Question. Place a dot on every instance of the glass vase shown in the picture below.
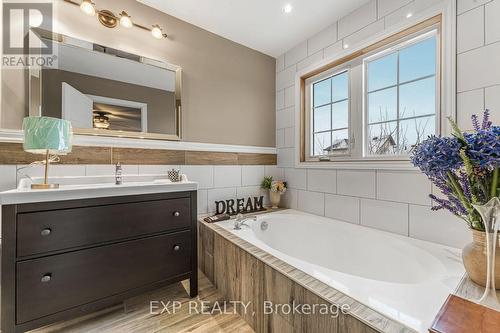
(489, 213)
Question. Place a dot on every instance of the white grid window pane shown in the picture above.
(322, 142)
(340, 141)
(417, 98)
(340, 115)
(401, 109)
(418, 60)
(322, 118)
(330, 115)
(382, 138)
(383, 72)
(383, 105)
(413, 131)
(340, 87)
(322, 92)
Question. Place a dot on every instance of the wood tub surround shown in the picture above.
(13, 153)
(242, 272)
(62, 259)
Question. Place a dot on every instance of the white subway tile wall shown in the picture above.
(437, 226)
(357, 183)
(311, 202)
(252, 175)
(322, 180)
(403, 187)
(492, 23)
(470, 35)
(342, 208)
(323, 39)
(385, 215)
(358, 19)
(395, 201)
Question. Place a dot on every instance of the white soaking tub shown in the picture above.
(402, 278)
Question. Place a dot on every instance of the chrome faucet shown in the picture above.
(118, 174)
(240, 220)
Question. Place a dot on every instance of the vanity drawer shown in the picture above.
(40, 232)
(56, 283)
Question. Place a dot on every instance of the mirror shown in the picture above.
(104, 91)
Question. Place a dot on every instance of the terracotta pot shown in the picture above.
(474, 257)
(275, 198)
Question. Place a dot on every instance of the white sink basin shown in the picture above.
(72, 188)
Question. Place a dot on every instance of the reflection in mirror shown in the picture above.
(108, 92)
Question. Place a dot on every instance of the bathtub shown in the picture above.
(406, 280)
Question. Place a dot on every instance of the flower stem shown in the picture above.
(494, 183)
(458, 190)
(460, 194)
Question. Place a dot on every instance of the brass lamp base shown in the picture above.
(44, 186)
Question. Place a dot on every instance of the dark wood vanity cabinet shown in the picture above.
(68, 258)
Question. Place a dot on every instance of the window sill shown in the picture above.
(366, 164)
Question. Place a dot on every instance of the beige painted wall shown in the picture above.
(228, 89)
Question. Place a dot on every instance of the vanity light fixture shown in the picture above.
(88, 7)
(287, 9)
(108, 19)
(125, 20)
(156, 32)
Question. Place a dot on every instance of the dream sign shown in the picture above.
(233, 207)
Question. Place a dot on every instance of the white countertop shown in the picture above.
(73, 188)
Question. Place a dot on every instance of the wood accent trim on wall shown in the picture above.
(362, 52)
(13, 153)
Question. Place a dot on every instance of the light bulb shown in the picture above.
(156, 32)
(88, 7)
(287, 9)
(125, 20)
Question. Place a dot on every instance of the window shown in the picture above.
(377, 103)
(401, 96)
(331, 115)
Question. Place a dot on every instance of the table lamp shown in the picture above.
(49, 136)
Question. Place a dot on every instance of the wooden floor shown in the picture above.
(135, 315)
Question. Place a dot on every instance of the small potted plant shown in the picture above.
(276, 189)
(465, 168)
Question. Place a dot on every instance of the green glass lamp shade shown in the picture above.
(45, 133)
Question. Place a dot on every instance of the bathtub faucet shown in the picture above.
(240, 220)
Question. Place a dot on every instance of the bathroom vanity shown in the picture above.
(81, 248)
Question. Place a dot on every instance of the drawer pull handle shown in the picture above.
(46, 232)
(46, 278)
(177, 214)
(177, 248)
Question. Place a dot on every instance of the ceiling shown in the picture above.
(259, 24)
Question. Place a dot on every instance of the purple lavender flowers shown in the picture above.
(437, 156)
(464, 167)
